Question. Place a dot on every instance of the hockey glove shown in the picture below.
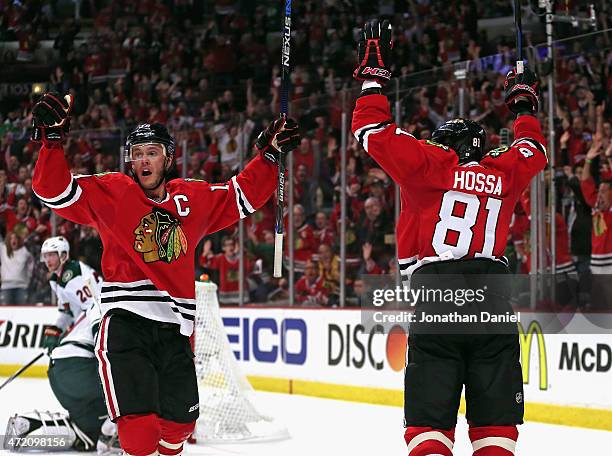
(51, 117)
(51, 337)
(374, 52)
(280, 138)
(522, 92)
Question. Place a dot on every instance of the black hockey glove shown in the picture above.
(51, 117)
(522, 92)
(374, 52)
(51, 337)
(278, 139)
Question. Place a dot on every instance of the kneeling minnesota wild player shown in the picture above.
(73, 368)
(73, 376)
(74, 283)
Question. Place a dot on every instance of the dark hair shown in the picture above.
(7, 243)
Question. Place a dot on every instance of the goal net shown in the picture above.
(226, 411)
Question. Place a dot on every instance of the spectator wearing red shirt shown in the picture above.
(12, 169)
(228, 265)
(22, 215)
(304, 189)
(354, 203)
(600, 199)
(577, 142)
(519, 232)
(309, 290)
(96, 63)
(304, 155)
(322, 231)
(221, 56)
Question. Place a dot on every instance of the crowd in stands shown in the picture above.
(209, 70)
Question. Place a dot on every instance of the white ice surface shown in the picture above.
(323, 427)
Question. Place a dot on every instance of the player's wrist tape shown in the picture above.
(370, 85)
(370, 88)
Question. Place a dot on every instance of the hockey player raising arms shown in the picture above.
(464, 199)
(150, 228)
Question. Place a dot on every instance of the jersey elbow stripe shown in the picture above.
(244, 206)
(362, 134)
(530, 142)
(68, 197)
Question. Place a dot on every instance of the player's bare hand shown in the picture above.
(374, 52)
(51, 117)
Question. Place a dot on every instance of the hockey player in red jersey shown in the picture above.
(149, 228)
(464, 199)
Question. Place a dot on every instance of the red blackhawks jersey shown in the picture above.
(601, 234)
(229, 276)
(464, 211)
(149, 247)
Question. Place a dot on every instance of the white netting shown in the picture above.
(226, 413)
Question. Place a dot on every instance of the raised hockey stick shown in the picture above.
(284, 105)
(519, 36)
(22, 370)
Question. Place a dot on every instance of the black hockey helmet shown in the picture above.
(464, 136)
(150, 133)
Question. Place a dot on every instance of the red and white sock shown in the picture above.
(427, 441)
(493, 440)
(173, 437)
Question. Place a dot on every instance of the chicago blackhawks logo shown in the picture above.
(499, 151)
(159, 237)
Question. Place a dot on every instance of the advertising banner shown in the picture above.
(330, 346)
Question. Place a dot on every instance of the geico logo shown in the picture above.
(526, 339)
(599, 358)
(264, 340)
(352, 346)
(21, 335)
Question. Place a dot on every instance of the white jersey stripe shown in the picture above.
(127, 286)
(601, 255)
(142, 298)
